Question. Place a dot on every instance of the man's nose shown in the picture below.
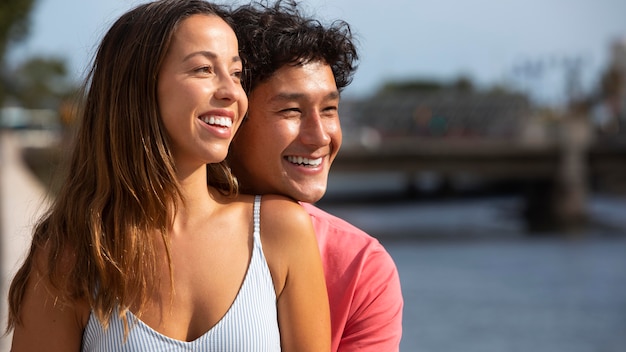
(314, 130)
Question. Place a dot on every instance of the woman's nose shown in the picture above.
(228, 89)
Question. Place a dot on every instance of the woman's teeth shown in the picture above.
(219, 121)
(304, 161)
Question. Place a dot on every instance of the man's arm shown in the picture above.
(376, 322)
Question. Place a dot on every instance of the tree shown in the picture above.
(41, 82)
(14, 26)
(415, 85)
(462, 84)
(14, 22)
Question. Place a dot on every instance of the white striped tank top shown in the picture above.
(251, 323)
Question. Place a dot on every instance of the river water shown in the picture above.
(474, 280)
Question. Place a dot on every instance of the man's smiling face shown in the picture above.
(291, 135)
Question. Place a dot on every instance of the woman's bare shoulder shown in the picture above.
(286, 228)
(282, 213)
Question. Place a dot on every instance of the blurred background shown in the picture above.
(484, 146)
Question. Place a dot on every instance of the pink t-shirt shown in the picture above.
(363, 286)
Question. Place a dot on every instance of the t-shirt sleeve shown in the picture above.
(376, 324)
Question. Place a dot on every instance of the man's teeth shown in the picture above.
(219, 121)
(304, 161)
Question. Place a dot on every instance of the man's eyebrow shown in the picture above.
(283, 96)
(332, 95)
(209, 55)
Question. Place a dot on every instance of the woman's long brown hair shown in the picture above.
(105, 233)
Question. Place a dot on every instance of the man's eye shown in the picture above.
(290, 112)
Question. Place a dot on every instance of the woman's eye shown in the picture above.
(204, 69)
(238, 75)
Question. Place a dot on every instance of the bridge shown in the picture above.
(557, 175)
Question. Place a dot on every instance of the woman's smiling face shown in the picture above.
(201, 99)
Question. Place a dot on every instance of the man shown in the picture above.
(296, 69)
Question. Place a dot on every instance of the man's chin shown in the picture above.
(309, 196)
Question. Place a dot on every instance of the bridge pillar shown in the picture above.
(560, 204)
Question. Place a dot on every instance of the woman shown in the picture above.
(137, 252)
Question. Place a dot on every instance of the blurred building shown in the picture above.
(618, 59)
(446, 113)
(609, 112)
(618, 62)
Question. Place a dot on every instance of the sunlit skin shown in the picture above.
(293, 114)
(201, 99)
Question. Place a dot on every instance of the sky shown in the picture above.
(489, 41)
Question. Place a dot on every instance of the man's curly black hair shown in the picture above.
(271, 36)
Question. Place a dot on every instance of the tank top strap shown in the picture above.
(257, 219)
